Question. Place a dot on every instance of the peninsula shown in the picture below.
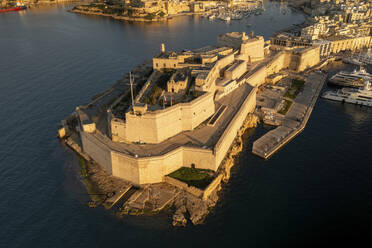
(161, 10)
(166, 134)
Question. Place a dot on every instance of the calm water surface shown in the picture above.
(316, 190)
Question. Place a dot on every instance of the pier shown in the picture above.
(295, 120)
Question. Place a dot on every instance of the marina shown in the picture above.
(238, 12)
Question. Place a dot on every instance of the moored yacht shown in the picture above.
(361, 96)
(351, 79)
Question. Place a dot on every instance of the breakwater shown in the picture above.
(295, 120)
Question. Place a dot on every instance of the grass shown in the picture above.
(199, 178)
(296, 87)
(285, 108)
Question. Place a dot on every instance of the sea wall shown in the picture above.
(212, 186)
(229, 134)
(144, 170)
(97, 150)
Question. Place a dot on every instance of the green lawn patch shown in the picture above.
(287, 104)
(296, 87)
(199, 178)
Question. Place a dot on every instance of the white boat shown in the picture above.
(356, 96)
(211, 17)
(225, 18)
(352, 60)
(359, 59)
(351, 79)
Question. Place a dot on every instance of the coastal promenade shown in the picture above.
(295, 120)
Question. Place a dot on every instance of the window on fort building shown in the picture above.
(164, 65)
(157, 65)
(193, 166)
(174, 65)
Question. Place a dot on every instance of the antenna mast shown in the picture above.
(131, 89)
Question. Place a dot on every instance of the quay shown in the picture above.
(295, 120)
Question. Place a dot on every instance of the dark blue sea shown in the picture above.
(316, 191)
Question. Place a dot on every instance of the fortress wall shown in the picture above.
(236, 70)
(144, 128)
(195, 114)
(257, 78)
(228, 136)
(145, 170)
(168, 124)
(309, 58)
(97, 151)
(254, 49)
(157, 126)
(212, 186)
(279, 62)
(225, 61)
(200, 158)
(153, 170)
(118, 130)
(177, 183)
(124, 166)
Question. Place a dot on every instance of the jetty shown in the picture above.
(295, 120)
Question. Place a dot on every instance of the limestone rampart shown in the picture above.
(97, 150)
(144, 170)
(229, 134)
(190, 189)
(157, 126)
(212, 186)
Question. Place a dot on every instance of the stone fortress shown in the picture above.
(189, 109)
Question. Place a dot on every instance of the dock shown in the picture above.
(295, 120)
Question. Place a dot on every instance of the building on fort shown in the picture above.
(178, 82)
